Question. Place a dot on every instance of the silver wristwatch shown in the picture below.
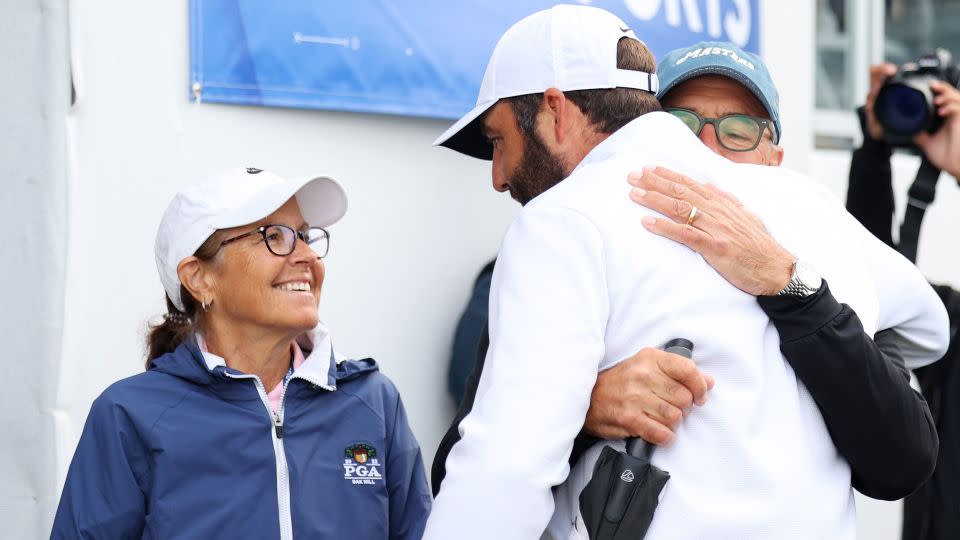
(803, 282)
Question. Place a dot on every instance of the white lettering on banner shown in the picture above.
(736, 22)
(692, 12)
(643, 9)
(738, 28)
(713, 18)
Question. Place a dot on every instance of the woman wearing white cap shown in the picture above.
(246, 424)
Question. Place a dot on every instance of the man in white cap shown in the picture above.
(578, 287)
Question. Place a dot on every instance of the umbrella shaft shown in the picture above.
(639, 448)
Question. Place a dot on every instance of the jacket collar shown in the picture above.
(661, 134)
(191, 362)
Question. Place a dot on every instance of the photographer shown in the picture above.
(870, 194)
(933, 512)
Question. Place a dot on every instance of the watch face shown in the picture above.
(808, 276)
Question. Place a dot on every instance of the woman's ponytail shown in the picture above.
(175, 328)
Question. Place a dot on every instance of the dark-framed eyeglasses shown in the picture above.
(735, 132)
(282, 240)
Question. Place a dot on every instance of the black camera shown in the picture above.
(904, 105)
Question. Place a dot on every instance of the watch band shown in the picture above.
(798, 286)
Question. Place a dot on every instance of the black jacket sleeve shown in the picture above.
(933, 512)
(879, 424)
(439, 469)
(870, 191)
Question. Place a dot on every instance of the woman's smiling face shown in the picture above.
(253, 287)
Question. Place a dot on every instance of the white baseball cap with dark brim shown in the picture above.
(565, 47)
(236, 197)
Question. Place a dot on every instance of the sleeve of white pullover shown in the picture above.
(908, 304)
(548, 311)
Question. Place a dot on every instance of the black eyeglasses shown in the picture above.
(735, 132)
(281, 240)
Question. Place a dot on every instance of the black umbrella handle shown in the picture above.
(636, 446)
(621, 492)
(639, 448)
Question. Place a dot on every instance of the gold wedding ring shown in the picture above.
(693, 215)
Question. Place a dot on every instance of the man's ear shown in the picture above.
(196, 278)
(555, 106)
(776, 155)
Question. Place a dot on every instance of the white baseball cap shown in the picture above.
(236, 197)
(565, 47)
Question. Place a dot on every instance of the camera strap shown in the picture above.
(919, 197)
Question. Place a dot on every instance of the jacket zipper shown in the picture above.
(279, 454)
(283, 480)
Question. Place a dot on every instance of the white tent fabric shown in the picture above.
(34, 99)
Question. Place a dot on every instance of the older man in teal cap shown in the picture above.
(719, 84)
(727, 97)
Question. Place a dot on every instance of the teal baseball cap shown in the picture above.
(724, 59)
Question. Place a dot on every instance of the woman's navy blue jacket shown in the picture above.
(185, 451)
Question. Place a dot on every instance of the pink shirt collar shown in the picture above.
(276, 393)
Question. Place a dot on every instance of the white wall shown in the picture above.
(787, 47)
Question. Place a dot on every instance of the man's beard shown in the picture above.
(539, 170)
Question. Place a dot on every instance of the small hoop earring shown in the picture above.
(205, 305)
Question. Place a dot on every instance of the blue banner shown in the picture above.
(408, 57)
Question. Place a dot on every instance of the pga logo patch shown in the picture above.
(361, 465)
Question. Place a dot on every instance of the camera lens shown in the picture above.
(903, 109)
